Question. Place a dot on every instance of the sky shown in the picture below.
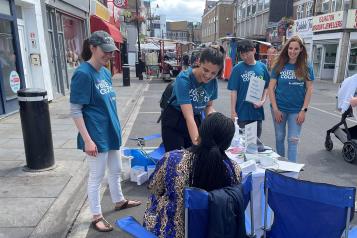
(190, 10)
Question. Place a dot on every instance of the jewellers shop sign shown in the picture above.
(328, 22)
(303, 27)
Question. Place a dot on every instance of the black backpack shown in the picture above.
(166, 98)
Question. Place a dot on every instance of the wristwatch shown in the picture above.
(304, 109)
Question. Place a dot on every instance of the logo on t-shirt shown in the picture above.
(104, 87)
(199, 95)
(248, 75)
(290, 75)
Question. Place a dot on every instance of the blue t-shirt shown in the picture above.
(187, 90)
(93, 89)
(290, 92)
(239, 81)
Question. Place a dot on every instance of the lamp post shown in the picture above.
(138, 64)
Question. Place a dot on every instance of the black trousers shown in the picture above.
(174, 131)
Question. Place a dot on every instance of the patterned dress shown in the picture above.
(164, 215)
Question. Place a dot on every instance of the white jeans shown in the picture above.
(97, 166)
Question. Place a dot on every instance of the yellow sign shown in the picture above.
(101, 11)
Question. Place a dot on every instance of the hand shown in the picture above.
(353, 101)
(278, 116)
(300, 118)
(259, 104)
(234, 115)
(90, 148)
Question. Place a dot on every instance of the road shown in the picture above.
(320, 165)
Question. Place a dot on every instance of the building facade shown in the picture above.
(217, 20)
(177, 30)
(334, 39)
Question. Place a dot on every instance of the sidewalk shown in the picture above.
(45, 204)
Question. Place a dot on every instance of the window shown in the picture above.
(336, 5)
(354, 4)
(300, 11)
(5, 7)
(254, 7)
(249, 8)
(325, 8)
(8, 71)
(260, 5)
(266, 4)
(244, 9)
(309, 9)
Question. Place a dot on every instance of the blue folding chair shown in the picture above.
(307, 209)
(196, 209)
(130, 225)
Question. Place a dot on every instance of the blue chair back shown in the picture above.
(307, 209)
(248, 199)
(130, 225)
(196, 212)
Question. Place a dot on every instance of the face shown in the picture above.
(271, 53)
(208, 71)
(100, 56)
(248, 57)
(294, 50)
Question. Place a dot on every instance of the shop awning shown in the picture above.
(97, 24)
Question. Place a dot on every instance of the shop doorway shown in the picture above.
(352, 63)
(324, 60)
(9, 72)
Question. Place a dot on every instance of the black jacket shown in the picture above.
(226, 213)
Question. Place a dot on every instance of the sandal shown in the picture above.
(126, 205)
(106, 224)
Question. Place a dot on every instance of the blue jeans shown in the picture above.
(294, 130)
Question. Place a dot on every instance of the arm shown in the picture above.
(209, 108)
(277, 114)
(187, 112)
(309, 88)
(233, 104)
(89, 146)
(353, 101)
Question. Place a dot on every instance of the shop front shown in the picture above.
(328, 46)
(352, 24)
(106, 19)
(11, 71)
(67, 29)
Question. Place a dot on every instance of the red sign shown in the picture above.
(120, 3)
(331, 21)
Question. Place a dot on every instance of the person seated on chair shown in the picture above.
(204, 166)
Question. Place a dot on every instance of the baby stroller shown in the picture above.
(348, 136)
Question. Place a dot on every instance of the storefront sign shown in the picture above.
(328, 22)
(352, 19)
(14, 81)
(102, 12)
(121, 3)
(303, 27)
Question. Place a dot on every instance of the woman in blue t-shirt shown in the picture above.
(290, 91)
(193, 93)
(94, 111)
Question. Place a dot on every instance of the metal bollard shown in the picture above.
(36, 129)
(126, 75)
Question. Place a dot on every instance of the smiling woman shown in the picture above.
(193, 93)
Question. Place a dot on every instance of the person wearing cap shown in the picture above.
(238, 83)
(94, 111)
(290, 92)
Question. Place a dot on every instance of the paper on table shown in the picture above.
(251, 134)
(289, 166)
(255, 89)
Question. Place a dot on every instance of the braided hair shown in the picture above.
(209, 168)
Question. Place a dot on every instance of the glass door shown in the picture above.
(10, 81)
(352, 63)
(317, 60)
